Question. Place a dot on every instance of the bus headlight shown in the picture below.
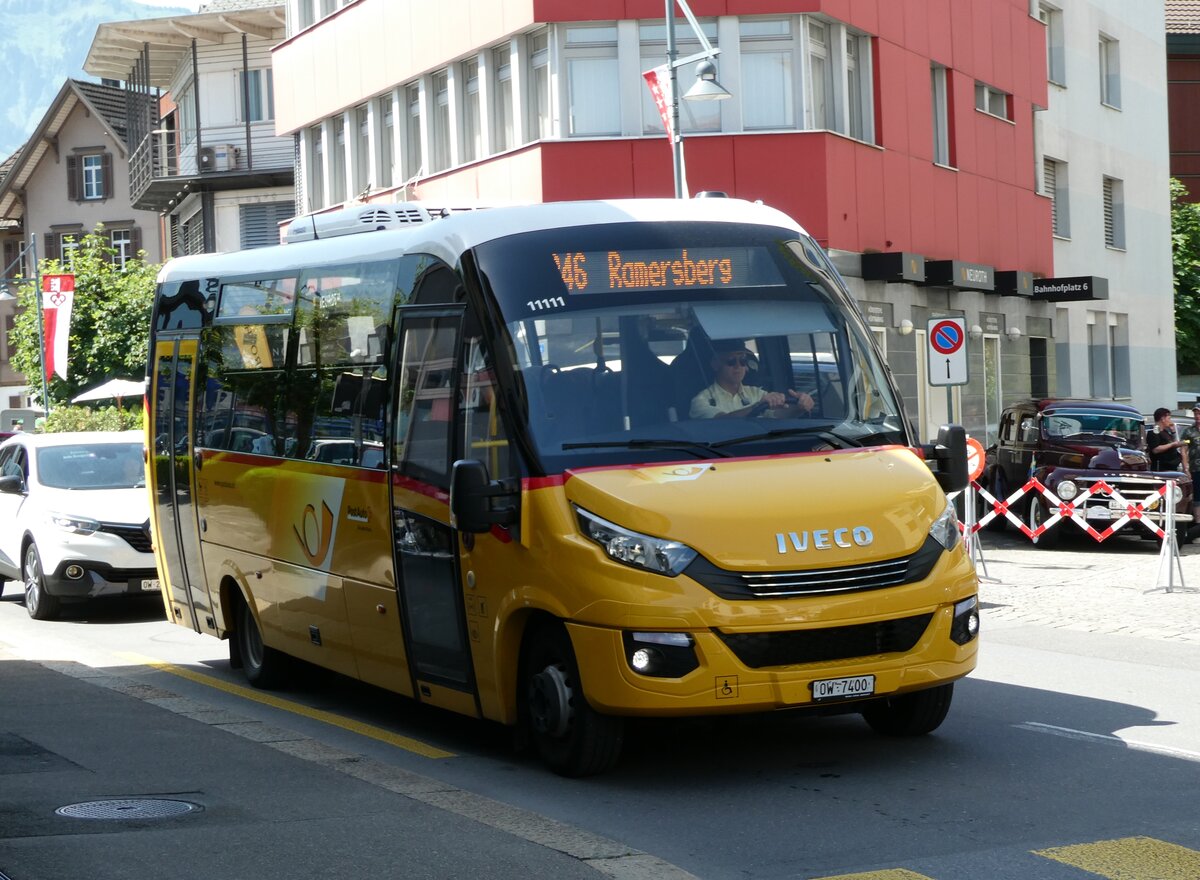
(80, 525)
(632, 548)
(945, 527)
(1067, 490)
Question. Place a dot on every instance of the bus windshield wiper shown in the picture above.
(704, 450)
(822, 431)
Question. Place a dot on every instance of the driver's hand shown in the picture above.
(801, 398)
(774, 399)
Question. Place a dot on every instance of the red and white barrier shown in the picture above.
(1133, 511)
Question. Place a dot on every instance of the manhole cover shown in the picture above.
(128, 808)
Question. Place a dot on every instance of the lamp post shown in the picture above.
(7, 296)
(706, 87)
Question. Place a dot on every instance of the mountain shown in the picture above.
(43, 42)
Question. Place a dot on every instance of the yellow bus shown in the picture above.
(556, 466)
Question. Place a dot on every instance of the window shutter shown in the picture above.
(260, 223)
(1109, 231)
(73, 186)
(106, 175)
(53, 243)
(135, 240)
(1050, 187)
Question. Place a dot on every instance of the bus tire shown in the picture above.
(572, 738)
(263, 667)
(913, 714)
(39, 604)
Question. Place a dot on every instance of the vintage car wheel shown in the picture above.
(1038, 514)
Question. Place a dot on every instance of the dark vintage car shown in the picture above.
(1070, 445)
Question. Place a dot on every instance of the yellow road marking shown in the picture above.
(889, 874)
(377, 733)
(1130, 858)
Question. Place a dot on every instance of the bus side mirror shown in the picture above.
(471, 494)
(949, 457)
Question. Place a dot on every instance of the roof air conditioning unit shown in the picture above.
(219, 158)
(360, 218)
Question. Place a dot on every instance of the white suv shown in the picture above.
(75, 518)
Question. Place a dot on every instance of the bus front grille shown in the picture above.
(816, 581)
(761, 649)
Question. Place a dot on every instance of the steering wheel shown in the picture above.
(758, 409)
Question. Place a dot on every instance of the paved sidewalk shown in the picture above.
(1112, 587)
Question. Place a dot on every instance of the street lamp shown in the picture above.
(706, 87)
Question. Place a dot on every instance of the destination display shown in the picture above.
(633, 271)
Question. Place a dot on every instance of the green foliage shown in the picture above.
(1185, 255)
(85, 418)
(110, 321)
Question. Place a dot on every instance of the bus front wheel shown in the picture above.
(910, 714)
(264, 667)
(572, 738)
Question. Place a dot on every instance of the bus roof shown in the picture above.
(448, 237)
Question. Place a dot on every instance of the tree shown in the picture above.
(110, 320)
(1185, 256)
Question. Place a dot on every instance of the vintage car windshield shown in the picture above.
(1094, 426)
(611, 329)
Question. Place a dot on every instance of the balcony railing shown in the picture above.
(159, 165)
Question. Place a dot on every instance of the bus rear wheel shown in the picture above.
(264, 667)
(572, 738)
(910, 714)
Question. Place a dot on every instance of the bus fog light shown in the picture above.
(966, 621)
(660, 654)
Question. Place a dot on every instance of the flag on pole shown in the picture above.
(58, 295)
(659, 81)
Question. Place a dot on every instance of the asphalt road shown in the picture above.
(1073, 752)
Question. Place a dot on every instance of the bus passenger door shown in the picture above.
(425, 545)
(178, 537)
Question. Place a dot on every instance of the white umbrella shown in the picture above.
(115, 388)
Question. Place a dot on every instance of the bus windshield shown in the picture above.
(684, 340)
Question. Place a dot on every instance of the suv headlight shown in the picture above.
(80, 525)
(945, 528)
(632, 548)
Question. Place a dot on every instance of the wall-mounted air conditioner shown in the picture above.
(223, 157)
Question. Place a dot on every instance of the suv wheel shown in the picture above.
(38, 603)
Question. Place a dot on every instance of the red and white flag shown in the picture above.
(659, 81)
(58, 295)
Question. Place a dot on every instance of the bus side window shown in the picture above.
(484, 436)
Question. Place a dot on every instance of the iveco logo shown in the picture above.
(824, 539)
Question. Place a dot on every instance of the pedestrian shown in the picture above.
(1191, 438)
(1167, 451)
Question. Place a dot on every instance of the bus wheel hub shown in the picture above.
(550, 702)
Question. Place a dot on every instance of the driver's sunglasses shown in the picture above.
(738, 361)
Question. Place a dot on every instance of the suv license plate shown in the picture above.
(843, 688)
(151, 585)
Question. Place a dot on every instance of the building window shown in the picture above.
(1114, 213)
(89, 177)
(256, 91)
(503, 133)
(593, 80)
(993, 101)
(259, 223)
(68, 243)
(362, 148)
(1056, 65)
(768, 74)
(857, 97)
(472, 134)
(439, 135)
(1054, 185)
(125, 244)
(413, 160)
(316, 168)
(386, 156)
(941, 115)
(820, 76)
(337, 161)
(1110, 72)
(539, 85)
(693, 115)
(187, 113)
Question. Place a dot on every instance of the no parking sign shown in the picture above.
(946, 340)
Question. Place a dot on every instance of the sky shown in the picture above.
(44, 42)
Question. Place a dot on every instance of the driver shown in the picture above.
(728, 398)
